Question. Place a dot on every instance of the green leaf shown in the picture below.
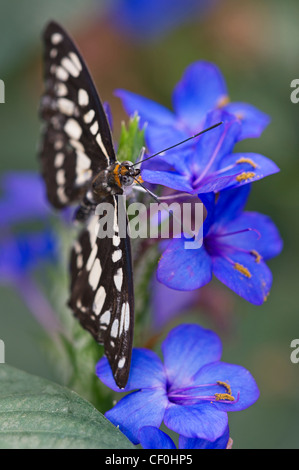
(38, 414)
(131, 140)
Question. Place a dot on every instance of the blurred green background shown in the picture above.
(256, 46)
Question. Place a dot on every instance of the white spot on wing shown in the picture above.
(101, 145)
(74, 58)
(99, 300)
(60, 177)
(115, 240)
(92, 257)
(95, 274)
(116, 256)
(61, 89)
(118, 279)
(53, 53)
(59, 159)
(61, 195)
(94, 128)
(66, 106)
(83, 98)
(73, 129)
(88, 117)
(121, 362)
(61, 74)
(105, 318)
(114, 329)
(70, 67)
(56, 38)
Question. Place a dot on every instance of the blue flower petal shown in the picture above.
(205, 422)
(201, 89)
(153, 438)
(215, 144)
(160, 136)
(230, 205)
(195, 443)
(215, 184)
(263, 237)
(169, 179)
(248, 278)
(248, 167)
(186, 349)
(146, 371)
(243, 386)
(253, 120)
(138, 409)
(168, 303)
(149, 111)
(184, 269)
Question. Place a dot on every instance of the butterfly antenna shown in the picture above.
(180, 143)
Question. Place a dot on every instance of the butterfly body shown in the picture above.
(79, 166)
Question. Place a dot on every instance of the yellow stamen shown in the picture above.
(223, 101)
(258, 257)
(225, 385)
(246, 175)
(239, 267)
(224, 396)
(247, 160)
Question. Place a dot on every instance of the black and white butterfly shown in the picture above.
(79, 166)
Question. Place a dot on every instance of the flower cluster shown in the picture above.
(236, 243)
(192, 392)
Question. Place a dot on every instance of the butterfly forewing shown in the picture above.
(76, 146)
(76, 141)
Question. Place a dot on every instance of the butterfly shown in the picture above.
(79, 166)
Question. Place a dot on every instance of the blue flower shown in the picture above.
(201, 90)
(212, 165)
(153, 438)
(235, 246)
(148, 20)
(206, 163)
(191, 392)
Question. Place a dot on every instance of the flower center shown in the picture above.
(216, 392)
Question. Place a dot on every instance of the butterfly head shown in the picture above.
(125, 173)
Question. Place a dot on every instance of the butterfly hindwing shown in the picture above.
(77, 141)
(102, 293)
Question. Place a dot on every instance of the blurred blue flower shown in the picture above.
(149, 20)
(201, 90)
(191, 392)
(168, 303)
(153, 438)
(23, 198)
(235, 246)
(22, 251)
